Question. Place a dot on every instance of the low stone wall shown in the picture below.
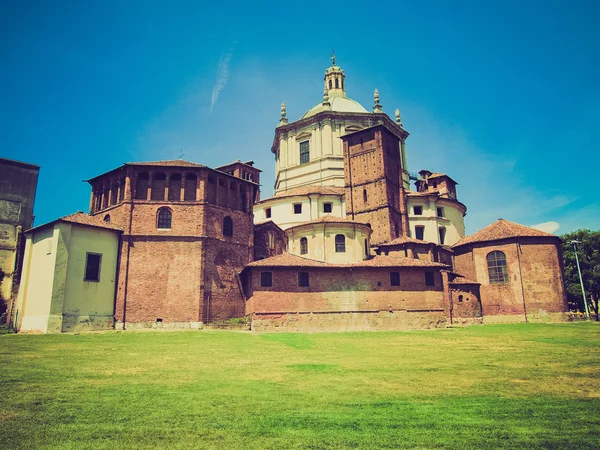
(158, 325)
(348, 321)
(539, 316)
(72, 323)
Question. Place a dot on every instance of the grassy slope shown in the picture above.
(512, 386)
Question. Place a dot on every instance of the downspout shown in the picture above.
(127, 266)
(117, 276)
(518, 247)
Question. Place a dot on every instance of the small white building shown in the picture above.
(69, 276)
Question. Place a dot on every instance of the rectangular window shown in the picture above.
(440, 212)
(326, 207)
(266, 279)
(394, 278)
(442, 231)
(303, 279)
(268, 213)
(297, 208)
(419, 232)
(429, 280)
(92, 267)
(418, 210)
(304, 152)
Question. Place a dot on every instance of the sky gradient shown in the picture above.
(502, 96)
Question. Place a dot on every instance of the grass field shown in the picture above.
(495, 386)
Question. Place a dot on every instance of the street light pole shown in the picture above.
(574, 244)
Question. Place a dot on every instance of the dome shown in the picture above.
(338, 104)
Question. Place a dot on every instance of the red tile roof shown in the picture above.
(83, 219)
(289, 260)
(404, 240)
(328, 219)
(502, 229)
(463, 280)
(167, 163)
(306, 190)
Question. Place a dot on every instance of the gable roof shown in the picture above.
(502, 229)
(81, 218)
(404, 240)
(289, 260)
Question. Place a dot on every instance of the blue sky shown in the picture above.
(502, 96)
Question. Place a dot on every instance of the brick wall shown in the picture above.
(372, 177)
(535, 281)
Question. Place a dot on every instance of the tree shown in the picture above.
(588, 251)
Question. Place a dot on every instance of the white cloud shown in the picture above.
(548, 227)
(222, 77)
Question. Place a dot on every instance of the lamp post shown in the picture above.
(574, 244)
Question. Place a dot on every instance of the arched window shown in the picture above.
(330, 86)
(227, 226)
(496, 262)
(340, 243)
(303, 246)
(107, 218)
(337, 83)
(271, 240)
(164, 218)
(366, 249)
(365, 195)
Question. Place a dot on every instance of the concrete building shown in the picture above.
(18, 183)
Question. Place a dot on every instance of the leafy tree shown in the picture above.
(588, 251)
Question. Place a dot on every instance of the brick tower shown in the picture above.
(373, 173)
(187, 235)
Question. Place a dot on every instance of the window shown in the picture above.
(304, 152)
(268, 213)
(337, 83)
(460, 299)
(330, 85)
(429, 280)
(327, 207)
(227, 226)
(303, 279)
(366, 249)
(303, 246)
(297, 208)
(418, 210)
(92, 267)
(442, 232)
(266, 279)
(497, 271)
(419, 232)
(440, 212)
(435, 185)
(164, 218)
(340, 243)
(394, 279)
(107, 218)
(271, 237)
(365, 195)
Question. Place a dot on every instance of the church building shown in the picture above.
(343, 243)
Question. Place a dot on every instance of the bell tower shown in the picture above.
(373, 180)
(335, 80)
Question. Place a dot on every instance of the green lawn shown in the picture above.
(495, 386)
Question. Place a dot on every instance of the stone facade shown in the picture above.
(18, 184)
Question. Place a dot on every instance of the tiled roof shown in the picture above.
(167, 163)
(329, 219)
(404, 240)
(306, 190)
(289, 260)
(463, 280)
(501, 229)
(84, 219)
(247, 163)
